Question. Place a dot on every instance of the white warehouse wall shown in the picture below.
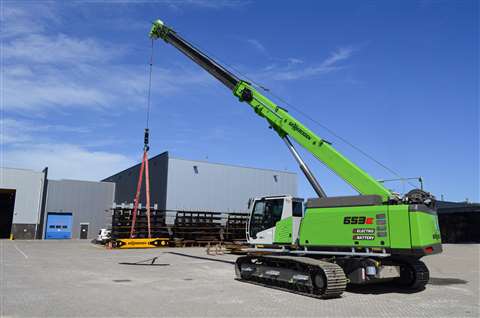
(222, 188)
(29, 186)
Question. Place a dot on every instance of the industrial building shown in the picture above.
(33, 207)
(459, 221)
(79, 208)
(22, 196)
(188, 185)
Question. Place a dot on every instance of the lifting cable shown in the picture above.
(144, 164)
(149, 83)
(305, 115)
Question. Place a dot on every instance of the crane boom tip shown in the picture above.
(156, 29)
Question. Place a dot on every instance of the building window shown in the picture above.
(195, 169)
(275, 178)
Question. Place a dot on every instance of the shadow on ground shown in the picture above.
(147, 262)
(387, 288)
(152, 261)
(446, 281)
(380, 288)
(203, 258)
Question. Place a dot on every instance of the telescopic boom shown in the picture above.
(279, 119)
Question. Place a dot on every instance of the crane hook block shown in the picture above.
(145, 139)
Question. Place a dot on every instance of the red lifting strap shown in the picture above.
(143, 167)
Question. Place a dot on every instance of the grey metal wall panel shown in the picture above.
(28, 185)
(222, 188)
(89, 202)
(126, 182)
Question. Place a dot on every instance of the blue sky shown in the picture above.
(398, 79)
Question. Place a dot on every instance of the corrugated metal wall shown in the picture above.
(126, 182)
(174, 184)
(28, 185)
(199, 185)
(89, 202)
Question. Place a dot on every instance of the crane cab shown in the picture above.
(274, 219)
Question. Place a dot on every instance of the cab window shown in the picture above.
(265, 215)
(297, 209)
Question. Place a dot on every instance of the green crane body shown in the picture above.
(377, 221)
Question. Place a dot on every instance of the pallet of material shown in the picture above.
(235, 227)
(122, 222)
(183, 228)
(198, 226)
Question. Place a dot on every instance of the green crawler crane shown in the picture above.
(372, 237)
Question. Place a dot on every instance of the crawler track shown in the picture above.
(414, 274)
(300, 275)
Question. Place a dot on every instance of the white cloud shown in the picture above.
(297, 69)
(67, 161)
(58, 49)
(43, 72)
(337, 56)
(31, 145)
(258, 46)
(282, 69)
(15, 131)
(293, 60)
(47, 87)
(28, 17)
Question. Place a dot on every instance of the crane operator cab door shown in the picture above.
(272, 220)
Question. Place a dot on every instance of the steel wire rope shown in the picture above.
(149, 89)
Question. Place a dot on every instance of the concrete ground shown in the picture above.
(78, 279)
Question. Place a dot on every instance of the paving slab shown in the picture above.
(78, 279)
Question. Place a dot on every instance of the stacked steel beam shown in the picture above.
(198, 226)
(122, 222)
(235, 227)
(186, 227)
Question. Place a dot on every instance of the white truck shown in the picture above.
(104, 236)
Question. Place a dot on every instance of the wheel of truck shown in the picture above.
(414, 275)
